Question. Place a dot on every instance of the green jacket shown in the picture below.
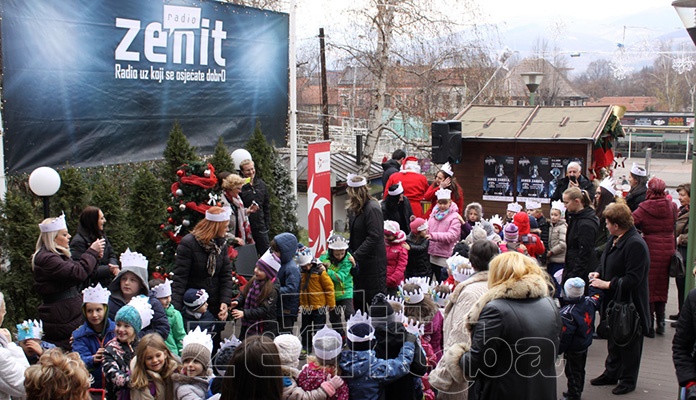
(340, 275)
(177, 332)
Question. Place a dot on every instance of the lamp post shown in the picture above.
(532, 80)
(686, 9)
(44, 182)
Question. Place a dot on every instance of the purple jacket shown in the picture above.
(444, 233)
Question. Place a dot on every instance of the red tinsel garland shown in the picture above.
(201, 181)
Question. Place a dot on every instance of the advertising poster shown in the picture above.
(498, 173)
(319, 218)
(94, 82)
(558, 171)
(533, 177)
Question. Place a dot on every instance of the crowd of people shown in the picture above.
(417, 302)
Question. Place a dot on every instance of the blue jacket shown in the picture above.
(288, 276)
(365, 373)
(578, 322)
(86, 343)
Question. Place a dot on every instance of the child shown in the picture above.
(192, 382)
(472, 214)
(397, 255)
(284, 246)
(366, 373)
(339, 262)
(289, 350)
(497, 224)
(444, 227)
(316, 295)
(531, 241)
(511, 240)
(327, 345)
(152, 369)
(512, 209)
(578, 326)
(441, 293)
(29, 334)
(221, 361)
(90, 338)
(424, 310)
(534, 210)
(418, 258)
(162, 290)
(256, 304)
(130, 320)
(459, 268)
(555, 256)
(196, 312)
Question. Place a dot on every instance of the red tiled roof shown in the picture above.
(632, 103)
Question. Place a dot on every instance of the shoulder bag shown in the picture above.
(623, 321)
(677, 267)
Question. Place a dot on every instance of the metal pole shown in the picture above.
(293, 99)
(630, 140)
(531, 98)
(689, 284)
(648, 160)
(686, 154)
(47, 212)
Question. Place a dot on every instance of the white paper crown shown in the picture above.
(447, 168)
(532, 205)
(360, 183)
(232, 341)
(638, 170)
(337, 242)
(443, 194)
(30, 329)
(496, 220)
(396, 299)
(558, 205)
(224, 216)
(415, 296)
(132, 259)
(359, 318)
(96, 294)
(391, 227)
(514, 207)
(397, 191)
(609, 184)
(327, 354)
(54, 225)
(198, 337)
(163, 289)
(303, 256)
(460, 267)
(413, 327)
(440, 298)
(142, 305)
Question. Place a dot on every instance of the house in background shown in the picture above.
(555, 89)
(632, 103)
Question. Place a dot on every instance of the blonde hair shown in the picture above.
(139, 375)
(513, 267)
(47, 240)
(232, 181)
(57, 376)
(357, 198)
(244, 163)
(206, 230)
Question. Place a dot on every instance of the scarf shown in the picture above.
(439, 215)
(239, 223)
(213, 251)
(253, 300)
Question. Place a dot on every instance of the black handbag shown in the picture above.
(677, 269)
(623, 320)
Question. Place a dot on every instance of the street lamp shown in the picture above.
(686, 9)
(532, 80)
(44, 182)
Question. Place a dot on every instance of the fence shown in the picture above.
(663, 144)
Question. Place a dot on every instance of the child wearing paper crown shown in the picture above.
(339, 262)
(316, 295)
(445, 227)
(118, 353)
(323, 365)
(29, 334)
(556, 253)
(98, 330)
(418, 257)
(221, 361)
(425, 311)
(289, 350)
(192, 382)
(576, 337)
(196, 312)
(162, 290)
(256, 304)
(152, 369)
(397, 255)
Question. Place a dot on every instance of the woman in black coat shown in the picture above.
(683, 345)
(91, 228)
(638, 179)
(366, 242)
(583, 226)
(396, 207)
(624, 264)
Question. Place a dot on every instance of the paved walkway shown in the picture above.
(673, 172)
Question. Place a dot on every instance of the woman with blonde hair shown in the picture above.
(202, 262)
(239, 228)
(57, 376)
(58, 278)
(519, 314)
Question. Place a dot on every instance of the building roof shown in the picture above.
(342, 163)
(632, 103)
(553, 80)
(533, 123)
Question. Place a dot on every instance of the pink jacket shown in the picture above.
(397, 258)
(444, 234)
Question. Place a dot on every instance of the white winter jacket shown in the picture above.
(13, 363)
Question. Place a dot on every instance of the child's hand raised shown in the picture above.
(237, 314)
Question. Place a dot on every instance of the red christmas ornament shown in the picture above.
(170, 210)
(170, 220)
(162, 227)
(180, 173)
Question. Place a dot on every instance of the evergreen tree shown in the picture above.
(177, 152)
(105, 195)
(287, 202)
(221, 159)
(146, 210)
(72, 197)
(260, 151)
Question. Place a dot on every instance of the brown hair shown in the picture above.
(422, 312)
(575, 193)
(57, 376)
(206, 230)
(619, 214)
(454, 186)
(605, 198)
(357, 197)
(139, 375)
(255, 372)
(685, 187)
(266, 289)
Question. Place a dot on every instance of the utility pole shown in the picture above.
(324, 89)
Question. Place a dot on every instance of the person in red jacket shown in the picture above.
(397, 255)
(414, 183)
(444, 179)
(531, 241)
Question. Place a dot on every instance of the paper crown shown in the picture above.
(199, 337)
(356, 319)
(447, 168)
(609, 184)
(532, 205)
(558, 205)
(638, 170)
(440, 296)
(96, 294)
(396, 299)
(56, 224)
(270, 260)
(163, 289)
(460, 267)
(496, 220)
(224, 216)
(303, 256)
(514, 207)
(417, 295)
(327, 335)
(232, 341)
(443, 194)
(132, 259)
(391, 227)
(30, 329)
(397, 190)
(355, 184)
(337, 242)
(142, 305)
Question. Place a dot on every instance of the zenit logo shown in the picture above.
(180, 22)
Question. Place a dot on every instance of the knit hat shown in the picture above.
(657, 186)
(533, 223)
(380, 310)
(137, 313)
(327, 344)
(269, 264)
(511, 233)
(197, 347)
(303, 256)
(224, 354)
(195, 298)
(289, 349)
(478, 233)
(418, 225)
(574, 288)
(337, 242)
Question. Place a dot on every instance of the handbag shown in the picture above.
(623, 320)
(677, 269)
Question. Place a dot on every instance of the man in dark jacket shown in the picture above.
(683, 346)
(393, 165)
(573, 178)
(256, 191)
(580, 237)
